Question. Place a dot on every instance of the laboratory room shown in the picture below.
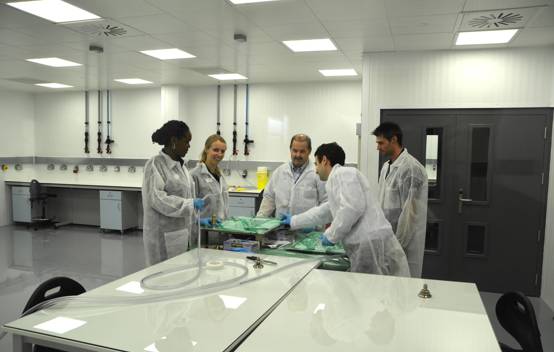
(276, 175)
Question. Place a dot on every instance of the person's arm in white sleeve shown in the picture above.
(168, 205)
(414, 203)
(267, 207)
(321, 192)
(319, 215)
(351, 207)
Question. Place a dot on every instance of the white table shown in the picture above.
(334, 311)
(211, 322)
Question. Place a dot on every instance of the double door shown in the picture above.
(488, 172)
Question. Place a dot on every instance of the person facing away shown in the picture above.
(209, 182)
(356, 219)
(168, 196)
(403, 194)
(294, 186)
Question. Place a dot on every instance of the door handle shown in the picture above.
(462, 200)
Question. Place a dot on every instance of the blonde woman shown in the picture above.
(210, 182)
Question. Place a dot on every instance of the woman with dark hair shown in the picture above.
(168, 195)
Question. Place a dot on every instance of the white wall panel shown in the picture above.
(463, 79)
(60, 118)
(326, 111)
(17, 137)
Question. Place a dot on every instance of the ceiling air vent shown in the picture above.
(497, 19)
(494, 21)
(102, 28)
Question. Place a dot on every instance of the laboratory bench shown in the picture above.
(299, 309)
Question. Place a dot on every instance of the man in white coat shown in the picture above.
(355, 216)
(294, 186)
(403, 194)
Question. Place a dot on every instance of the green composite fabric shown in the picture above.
(310, 243)
(247, 225)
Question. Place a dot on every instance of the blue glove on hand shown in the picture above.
(198, 203)
(205, 222)
(285, 219)
(325, 241)
(308, 229)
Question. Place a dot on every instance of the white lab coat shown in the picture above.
(403, 198)
(205, 184)
(283, 196)
(167, 200)
(358, 222)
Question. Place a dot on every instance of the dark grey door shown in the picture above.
(487, 173)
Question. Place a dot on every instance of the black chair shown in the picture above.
(517, 316)
(39, 197)
(53, 288)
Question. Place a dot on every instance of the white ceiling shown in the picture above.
(205, 28)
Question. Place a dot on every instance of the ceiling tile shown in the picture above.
(543, 18)
(357, 28)
(403, 8)
(497, 19)
(295, 31)
(424, 24)
(367, 44)
(117, 8)
(278, 13)
(479, 5)
(348, 9)
(423, 41)
(157, 24)
(534, 36)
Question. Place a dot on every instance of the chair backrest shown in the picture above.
(35, 191)
(516, 314)
(47, 290)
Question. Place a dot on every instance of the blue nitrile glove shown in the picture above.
(205, 222)
(285, 219)
(308, 229)
(325, 241)
(198, 203)
(218, 222)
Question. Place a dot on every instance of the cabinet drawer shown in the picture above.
(247, 202)
(115, 195)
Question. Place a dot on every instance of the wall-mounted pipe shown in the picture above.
(109, 141)
(218, 131)
(235, 150)
(246, 140)
(87, 150)
(99, 149)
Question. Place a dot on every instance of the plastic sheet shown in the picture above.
(247, 225)
(311, 243)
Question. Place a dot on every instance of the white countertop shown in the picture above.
(211, 322)
(335, 311)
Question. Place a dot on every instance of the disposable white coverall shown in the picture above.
(167, 200)
(205, 184)
(358, 222)
(284, 196)
(403, 198)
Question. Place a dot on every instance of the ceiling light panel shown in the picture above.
(339, 72)
(310, 45)
(54, 62)
(54, 10)
(133, 81)
(485, 37)
(228, 76)
(241, 2)
(53, 85)
(168, 54)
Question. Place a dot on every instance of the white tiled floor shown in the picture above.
(29, 257)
